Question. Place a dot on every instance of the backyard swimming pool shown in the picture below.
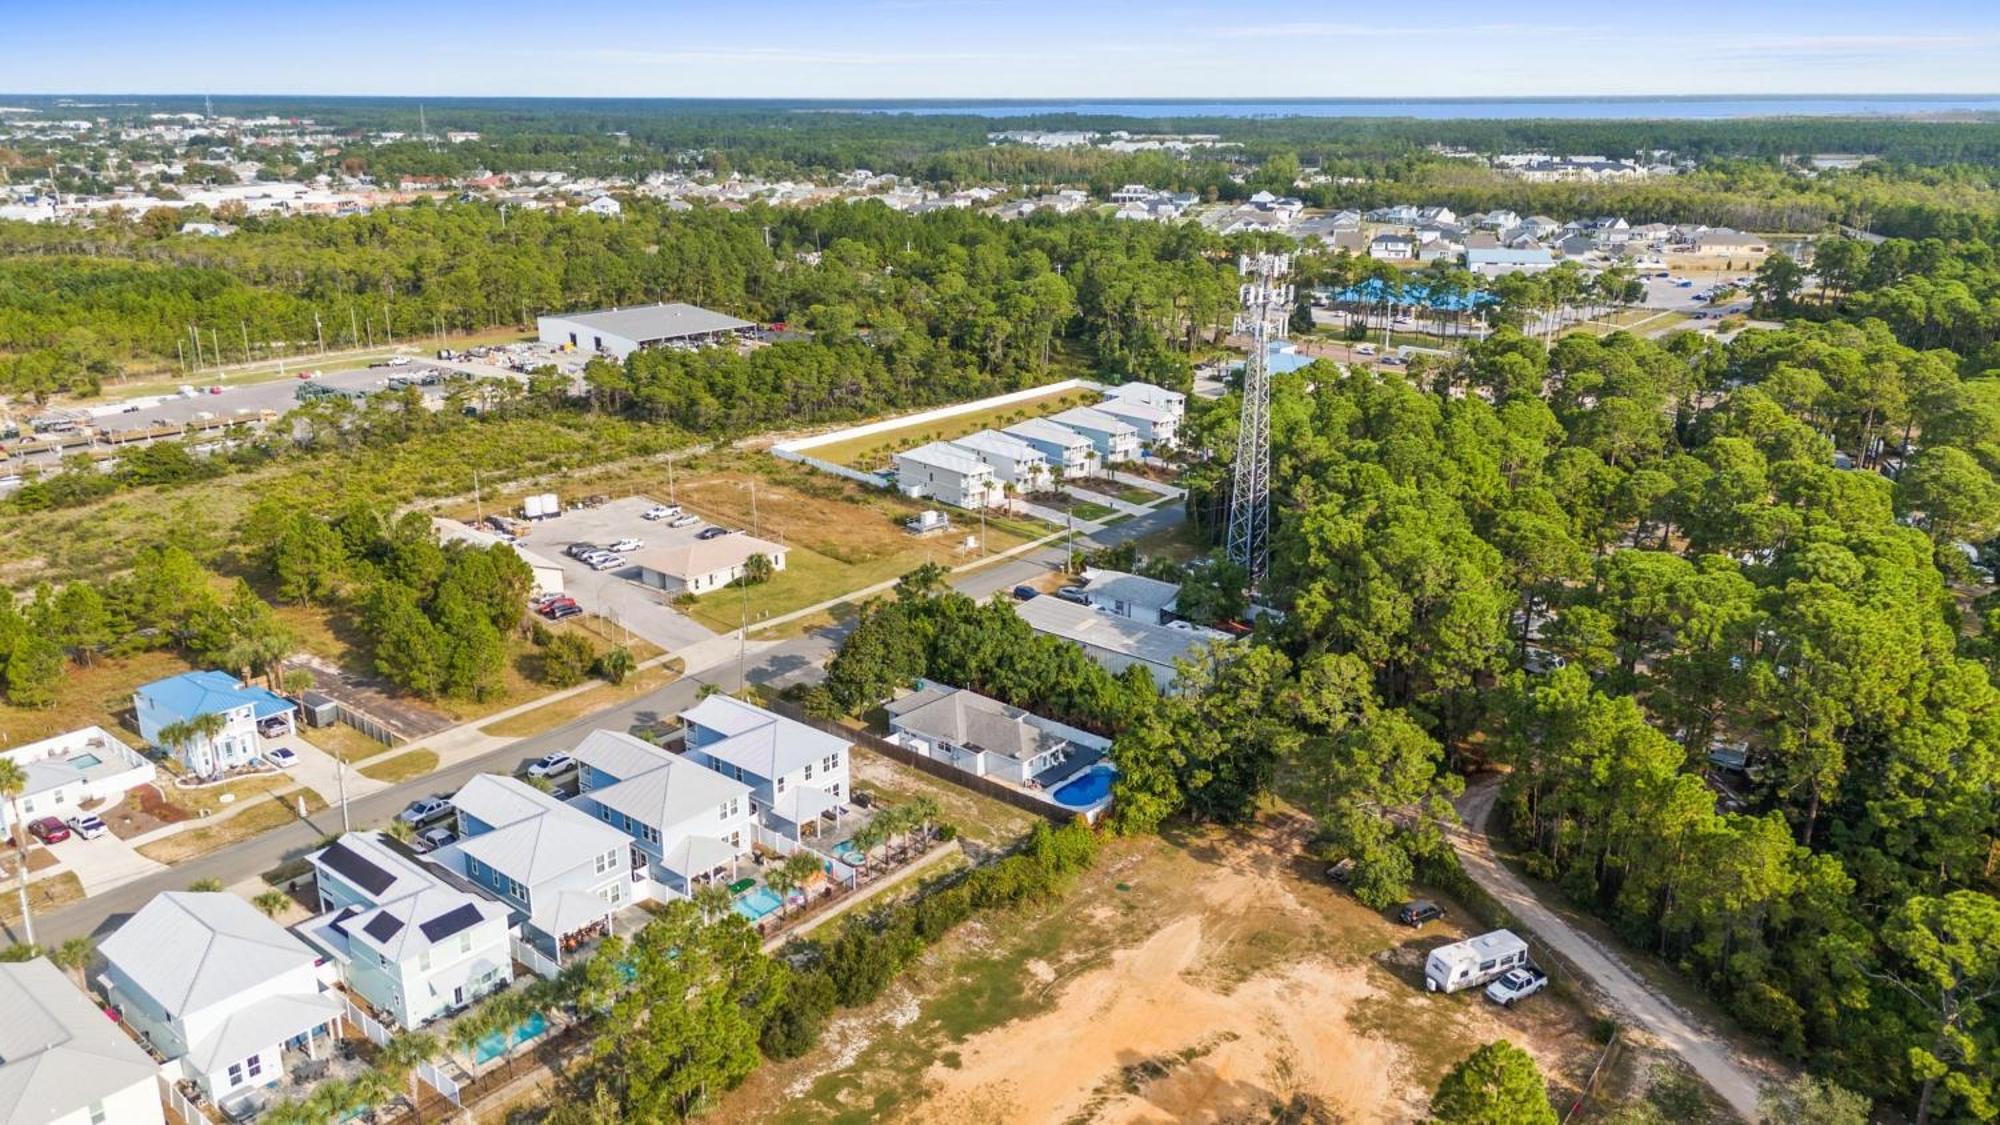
(757, 903)
(1087, 791)
(495, 1044)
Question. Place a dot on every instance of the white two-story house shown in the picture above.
(1014, 461)
(1157, 427)
(208, 981)
(692, 823)
(1115, 439)
(411, 942)
(1070, 454)
(943, 472)
(797, 774)
(568, 873)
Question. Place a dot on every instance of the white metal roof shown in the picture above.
(1126, 408)
(1041, 429)
(946, 456)
(648, 323)
(994, 443)
(1155, 644)
(705, 556)
(261, 1026)
(191, 949)
(1132, 589)
(663, 790)
(534, 837)
(767, 745)
(58, 1053)
(1096, 421)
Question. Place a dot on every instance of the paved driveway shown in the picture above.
(104, 863)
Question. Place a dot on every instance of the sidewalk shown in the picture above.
(1166, 491)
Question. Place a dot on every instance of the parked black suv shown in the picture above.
(1418, 912)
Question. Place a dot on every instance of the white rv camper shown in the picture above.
(1474, 961)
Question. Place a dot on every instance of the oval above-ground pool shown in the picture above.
(1087, 791)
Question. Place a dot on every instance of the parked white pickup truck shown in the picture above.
(1518, 984)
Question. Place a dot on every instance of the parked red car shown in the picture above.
(49, 830)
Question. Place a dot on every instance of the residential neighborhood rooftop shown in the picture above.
(58, 1053)
(191, 949)
(768, 745)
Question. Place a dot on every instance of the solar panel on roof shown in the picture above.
(356, 870)
(337, 925)
(452, 921)
(383, 927)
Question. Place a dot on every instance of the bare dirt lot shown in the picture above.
(1210, 978)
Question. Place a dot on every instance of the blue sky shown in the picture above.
(1001, 48)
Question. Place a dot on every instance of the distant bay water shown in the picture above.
(1662, 108)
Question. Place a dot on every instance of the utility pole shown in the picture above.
(478, 505)
(353, 326)
(340, 773)
(1266, 305)
(196, 333)
(319, 330)
(245, 326)
(742, 638)
(215, 338)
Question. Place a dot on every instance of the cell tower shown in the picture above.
(1267, 305)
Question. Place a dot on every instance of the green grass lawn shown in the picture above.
(402, 767)
(1086, 510)
(876, 450)
(1133, 494)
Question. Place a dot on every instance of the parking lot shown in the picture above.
(614, 594)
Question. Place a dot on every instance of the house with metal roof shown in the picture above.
(946, 473)
(1114, 438)
(1070, 453)
(797, 774)
(1118, 642)
(166, 704)
(209, 982)
(1013, 461)
(412, 941)
(987, 738)
(65, 772)
(692, 823)
(567, 872)
(1142, 599)
(62, 1061)
(1495, 260)
(620, 332)
(1157, 427)
(1173, 402)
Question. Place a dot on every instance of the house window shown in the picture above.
(235, 1074)
(781, 785)
(97, 1116)
(809, 771)
(832, 762)
(465, 942)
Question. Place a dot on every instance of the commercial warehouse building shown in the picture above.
(620, 332)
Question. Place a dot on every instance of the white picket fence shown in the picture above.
(440, 1081)
(535, 959)
(187, 1111)
(368, 1025)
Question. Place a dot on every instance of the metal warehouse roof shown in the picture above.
(649, 323)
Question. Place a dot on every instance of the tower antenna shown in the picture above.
(1267, 303)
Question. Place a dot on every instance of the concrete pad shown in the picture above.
(105, 862)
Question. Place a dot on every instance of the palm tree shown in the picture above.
(470, 1028)
(74, 956)
(182, 735)
(206, 886)
(13, 781)
(868, 837)
(400, 1059)
(272, 903)
(801, 866)
(922, 813)
(780, 879)
(713, 900)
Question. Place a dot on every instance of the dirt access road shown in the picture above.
(1702, 1049)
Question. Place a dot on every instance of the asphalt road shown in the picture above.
(799, 659)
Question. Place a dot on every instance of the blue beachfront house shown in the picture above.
(244, 709)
